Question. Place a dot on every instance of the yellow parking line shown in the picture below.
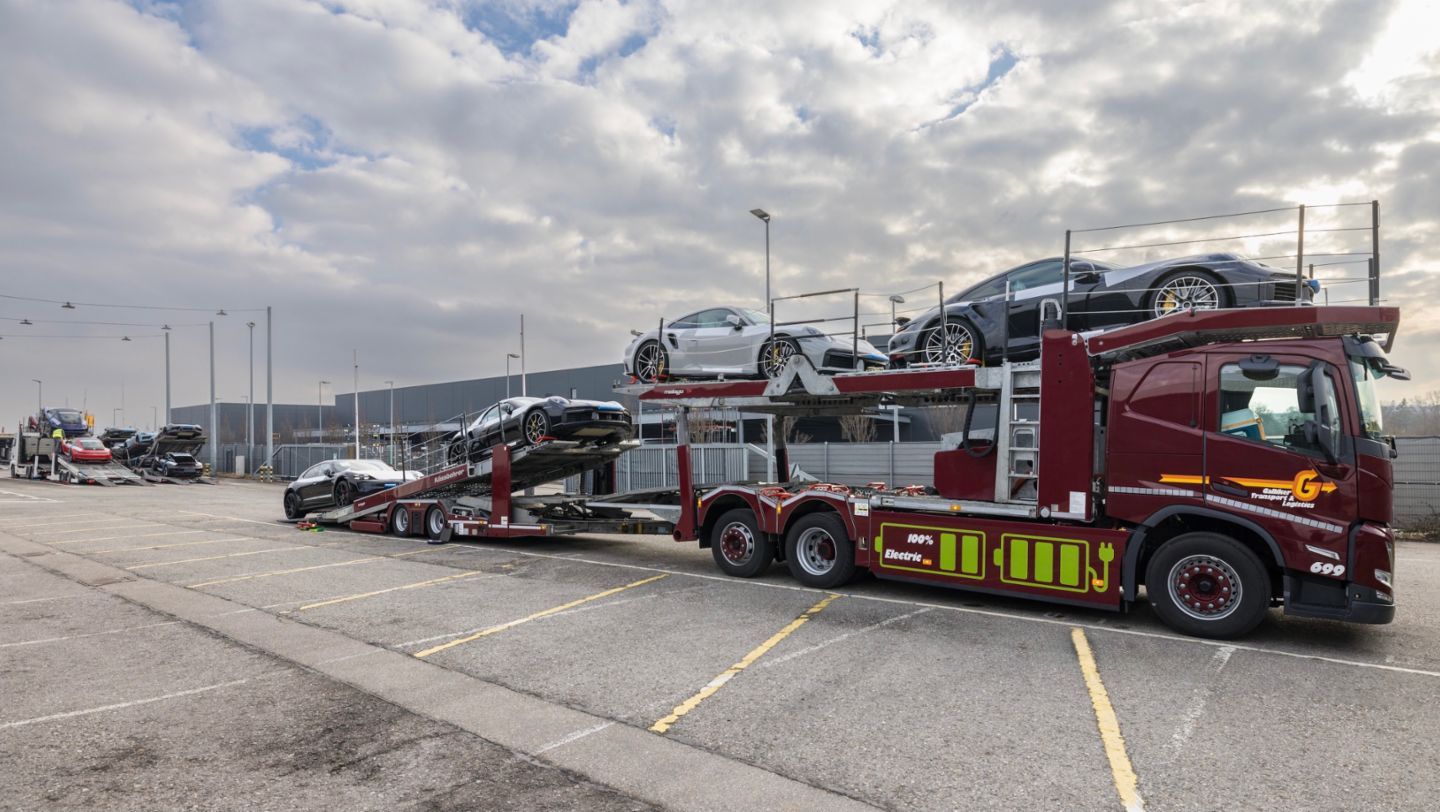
(546, 613)
(217, 557)
(728, 674)
(362, 595)
(254, 575)
(1126, 782)
(163, 546)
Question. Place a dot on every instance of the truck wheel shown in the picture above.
(435, 522)
(819, 552)
(1208, 585)
(740, 549)
(400, 520)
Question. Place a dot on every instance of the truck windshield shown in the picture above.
(1365, 376)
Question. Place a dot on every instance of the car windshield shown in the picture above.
(89, 444)
(68, 416)
(185, 458)
(755, 316)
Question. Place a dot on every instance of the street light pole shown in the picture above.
(269, 396)
(39, 399)
(250, 405)
(166, 330)
(523, 391)
(214, 426)
(320, 409)
(765, 217)
(355, 354)
(508, 356)
(392, 423)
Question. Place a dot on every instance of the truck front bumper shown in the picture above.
(1311, 597)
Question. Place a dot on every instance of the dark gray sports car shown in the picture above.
(979, 323)
(533, 420)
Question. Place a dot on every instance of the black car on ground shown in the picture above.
(176, 465)
(336, 483)
(532, 420)
(979, 322)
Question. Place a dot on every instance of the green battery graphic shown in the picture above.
(1052, 563)
(935, 550)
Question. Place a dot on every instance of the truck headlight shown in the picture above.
(1383, 576)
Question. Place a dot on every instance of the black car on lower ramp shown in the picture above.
(534, 420)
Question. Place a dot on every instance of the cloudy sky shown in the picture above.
(404, 178)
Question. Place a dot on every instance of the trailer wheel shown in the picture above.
(1208, 585)
(819, 552)
(292, 505)
(435, 522)
(400, 520)
(740, 549)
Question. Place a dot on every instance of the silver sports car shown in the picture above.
(736, 341)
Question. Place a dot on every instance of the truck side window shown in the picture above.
(1269, 411)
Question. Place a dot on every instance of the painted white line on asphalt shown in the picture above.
(1198, 703)
(22, 498)
(839, 638)
(67, 522)
(573, 737)
(87, 634)
(237, 519)
(163, 546)
(1097, 626)
(141, 536)
(51, 598)
(132, 703)
(93, 529)
(217, 557)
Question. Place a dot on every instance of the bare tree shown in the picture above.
(857, 428)
(946, 419)
(789, 428)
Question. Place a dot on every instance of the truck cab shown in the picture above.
(1272, 454)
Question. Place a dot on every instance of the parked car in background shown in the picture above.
(114, 438)
(84, 449)
(736, 341)
(70, 421)
(336, 483)
(181, 431)
(533, 420)
(137, 446)
(176, 465)
(979, 322)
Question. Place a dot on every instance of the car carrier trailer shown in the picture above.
(479, 499)
(37, 457)
(1226, 461)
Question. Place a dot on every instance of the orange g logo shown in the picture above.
(1305, 487)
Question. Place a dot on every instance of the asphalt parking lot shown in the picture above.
(178, 647)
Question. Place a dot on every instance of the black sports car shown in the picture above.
(531, 420)
(176, 465)
(338, 482)
(1101, 295)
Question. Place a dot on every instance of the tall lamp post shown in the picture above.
(523, 391)
(166, 330)
(356, 357)
(320, 408)
(39, 398)
(508, 356)
(250, 405)
(765, 217)
(894, 300)
(391, 384)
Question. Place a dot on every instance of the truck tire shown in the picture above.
(740, 549)
(400, 520)
(819, 552)
(1208, 585)
(435, 522)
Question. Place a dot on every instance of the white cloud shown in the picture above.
(406, 177)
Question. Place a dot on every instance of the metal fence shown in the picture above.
(1417, 480)
(897, 464)
(654, 466)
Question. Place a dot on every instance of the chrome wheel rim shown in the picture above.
(1186, 292)
(1204, 587)
(959, 350)
(437, 522)
(650, 362)
(737, 543)
(775, 356)
(815, 551)
(534, 427)
(402, 520)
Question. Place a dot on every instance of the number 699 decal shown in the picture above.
(1325, 568)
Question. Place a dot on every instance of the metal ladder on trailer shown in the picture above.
(1017, 433)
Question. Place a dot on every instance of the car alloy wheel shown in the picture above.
(1190, 291)
(650, 362)
(537, 425)
(774, 356)
(958, 350)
